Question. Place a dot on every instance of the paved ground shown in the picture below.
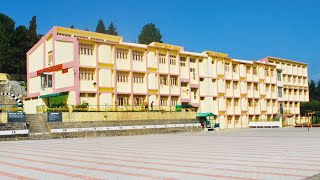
(286, 153)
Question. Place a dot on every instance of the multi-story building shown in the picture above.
(76, 66)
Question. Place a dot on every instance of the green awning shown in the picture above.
(205, 114)
(50, 95)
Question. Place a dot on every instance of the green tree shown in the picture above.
(6, 35)
(72, 26)
(21, 46)
(317, 91)
(149, 33)
(33, 36)
(100, 27)
(112, 30)
(312, 90)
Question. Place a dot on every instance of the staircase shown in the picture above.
(37, 126)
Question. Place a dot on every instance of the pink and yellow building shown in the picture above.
(102, 70)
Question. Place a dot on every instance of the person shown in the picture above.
(152, 106)
(146, 106)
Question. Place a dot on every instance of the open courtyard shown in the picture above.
(285, 153)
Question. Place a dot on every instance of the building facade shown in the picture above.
(103, 71)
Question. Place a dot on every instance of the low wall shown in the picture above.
(265, 124)
(4, 117)
(128, 116)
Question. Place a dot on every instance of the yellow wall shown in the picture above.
(64, 52)
(109, 116)
(36, 59)
(64, 80)
(105, 54)
(34, 84)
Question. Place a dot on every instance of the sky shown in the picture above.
(243, 29)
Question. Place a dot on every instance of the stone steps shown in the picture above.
(36, 125)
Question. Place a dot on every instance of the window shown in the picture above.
(267, 72)
(236, 102)
(174, 101)
(173, 60)
(163, 101)
(87, 94)
(173, 80)
(279, 91)
(289, 78)
(86, 49)
(201, 79)
(268, 103)
(234, 68)
(121, 53)
(272, 71)
(212, 62)
(294, 79)
(228, 84)
(184, 84)
(122, 77)
(235, 85)
(279, 76)
(137, 55)
(138, 78)
(248, 69)
(138, 100)
(123, 100)
(193, 71)
(182, 61)
(300, 92)
(46, 81)
(254, 70)
(267, 87)
(162, 58)
(237, 120)
(194, 91)
(229, 102)
(192, 60)
(256, 103)
(299, 80)
(229, 120)
(249, 86)
(250, 102)
(50, 58)
(86, 74)
(273, 88)
(255, 86)
(226, 66)
(164, 80)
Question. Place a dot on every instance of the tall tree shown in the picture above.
(317, 91)
(20, 48)
(112, 30)
(100, 27)
(72, 26)
(149, 33)
(312, 90)
(33, 36)
(6, 35)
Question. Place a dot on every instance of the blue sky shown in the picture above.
(244, 29)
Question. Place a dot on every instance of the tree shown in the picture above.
(312, 90)
(317, 91)
(21, 46)
(72, 26)
(6, 35)
(149, 34)
(100, 27)
(112, 30)
(33, 36)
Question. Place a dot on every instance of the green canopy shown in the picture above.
(50, 95)
(205, 114)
